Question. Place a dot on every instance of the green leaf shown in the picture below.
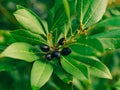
(29, 21)
(45, 25)
(22, 51)
(40, 74)
(105, 25)
(67, 11)
(83, 49)
(96, 67)
(91, 42)
(90, 11)
(72, 5)
(19, 7)
(56, 19)
(114, 33)
(117, 85)
(75, 68)
(113, 21)
(108, 39)
(65, 29)
(42, 22)
(27, 36)
(67, 8)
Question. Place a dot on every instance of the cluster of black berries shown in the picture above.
(55, 54)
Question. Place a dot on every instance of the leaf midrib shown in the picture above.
(108, 75)
(30, 38)
(88, 65)
(88, 46)
(97, 6)
(54, 24)
(74, 67)
(41, 73)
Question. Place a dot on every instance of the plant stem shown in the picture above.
(49, 39)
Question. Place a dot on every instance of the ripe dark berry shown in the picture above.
(48, 56)
(56, 54)
(61, 41)
(44, 48)
(66, 51)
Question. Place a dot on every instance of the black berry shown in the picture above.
(56, 54)
(61, 41)
(66, 51)
(44, 48)
(49, 56)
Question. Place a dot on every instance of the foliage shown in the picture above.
(92, 37)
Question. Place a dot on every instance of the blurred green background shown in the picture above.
(14, 75)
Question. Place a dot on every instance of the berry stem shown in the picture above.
(71, 28)
(49, 39)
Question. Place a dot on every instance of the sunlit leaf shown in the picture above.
(67, 8)
(90, 11)
(22, 51)
(91, 42)
(96, 67)
(108, 39)
(75, 68)
(29, 21)
(113, 21)
(83, 49)
(27, 36)
(40, 74)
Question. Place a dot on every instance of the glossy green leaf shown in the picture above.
(67, 11)
(109, 39)
(105, 25)
(96, 67)
(65, 29)
(22, 51)
(27, 36)
(83, 49)
(72, 5)
(113, 21)
(29, 21)
(93, 43)
(75, 68)
(114, 33)
(42, 22)
(59, 16)
(90, 11)
(54, 17)
(40, 74)
(45, 25)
